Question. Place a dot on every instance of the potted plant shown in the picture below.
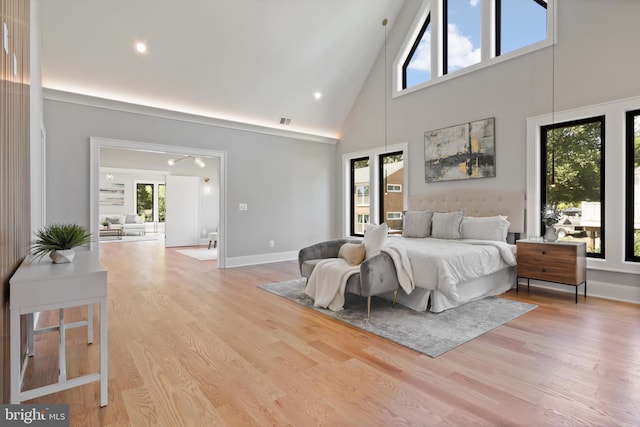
(105, 224)
(58, 240)
(550, 217)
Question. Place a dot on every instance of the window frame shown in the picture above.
(382, 184)
(373, 155)
(630, 153)
(352, 209)
(543, 169)
(438, 54)
(412, 51)
(498, 26)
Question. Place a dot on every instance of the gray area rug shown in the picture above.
(430, 333)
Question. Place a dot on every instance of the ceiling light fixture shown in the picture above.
(317, 95)
(197, 160)
(141, 47)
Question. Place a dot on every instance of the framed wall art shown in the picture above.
(463, 151)
(112, 195)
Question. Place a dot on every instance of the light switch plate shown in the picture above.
(242, 206)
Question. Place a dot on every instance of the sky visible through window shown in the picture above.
(523, 23)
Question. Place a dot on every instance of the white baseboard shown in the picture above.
(261, 259)
(610, 291)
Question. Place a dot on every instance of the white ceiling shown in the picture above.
(251, 61)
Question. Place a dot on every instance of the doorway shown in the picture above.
(97, 143)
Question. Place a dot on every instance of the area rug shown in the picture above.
(200, 254)
(430, 333)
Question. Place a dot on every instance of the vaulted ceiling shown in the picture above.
(251, 61)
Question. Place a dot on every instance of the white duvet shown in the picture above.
(438, 264)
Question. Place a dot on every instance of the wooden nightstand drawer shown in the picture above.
(561, 262)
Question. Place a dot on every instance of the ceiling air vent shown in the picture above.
(285, 121)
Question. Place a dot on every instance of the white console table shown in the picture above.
(41, 286)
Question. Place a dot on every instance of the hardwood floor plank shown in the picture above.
(190, 344)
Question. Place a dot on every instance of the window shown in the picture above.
(416, 68)
(360, 196)
(519, 23)
(572, 178)
(632, 222)
(161, 202)
(452, 35)
(374, 188)
(461, 40)
(394, 216)
(144, 201)
(150, 201)
(392, 202)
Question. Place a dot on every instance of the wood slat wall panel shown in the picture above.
(14, 161)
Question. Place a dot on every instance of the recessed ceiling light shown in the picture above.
(141, 47)
(317, 95)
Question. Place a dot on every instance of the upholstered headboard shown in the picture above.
(475, 203)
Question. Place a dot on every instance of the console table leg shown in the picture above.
(15, 357)
(90, 323)
(62, 356)
(104, 392)
(30, 333)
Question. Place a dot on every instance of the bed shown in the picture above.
(382, 274)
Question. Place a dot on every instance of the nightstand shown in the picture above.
(558, 262)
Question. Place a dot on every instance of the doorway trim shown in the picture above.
(96, 143)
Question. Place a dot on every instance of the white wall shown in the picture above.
(287, 183)
(594, 63)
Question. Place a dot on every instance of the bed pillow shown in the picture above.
(375, 236)
(353, 253)
(416, 223)
(446, 225)
(486, 228)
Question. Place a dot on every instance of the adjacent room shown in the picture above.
(255, 181)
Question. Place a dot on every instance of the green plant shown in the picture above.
(105, 223)
(56, 237)
(550, 216)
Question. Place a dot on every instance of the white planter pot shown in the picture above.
(62, 256)
(550, 234)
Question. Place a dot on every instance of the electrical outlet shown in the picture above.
(272, 243)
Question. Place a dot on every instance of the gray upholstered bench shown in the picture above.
(365, 283)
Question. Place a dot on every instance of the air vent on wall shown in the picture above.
(285, 121)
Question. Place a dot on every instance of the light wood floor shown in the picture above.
(190, 344)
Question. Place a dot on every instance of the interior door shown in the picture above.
(182, 211)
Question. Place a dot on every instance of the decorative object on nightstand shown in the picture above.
(558, 262)
(550, 217)
(58, 241)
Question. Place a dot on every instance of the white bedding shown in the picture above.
(440, 265)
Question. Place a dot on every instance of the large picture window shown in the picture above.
(632, 178)
(573, 180)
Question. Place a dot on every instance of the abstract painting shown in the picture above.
(460, 152)
(112, 195)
